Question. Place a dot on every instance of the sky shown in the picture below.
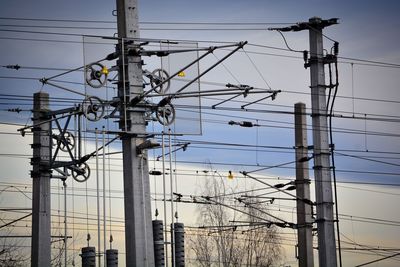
(367, 142)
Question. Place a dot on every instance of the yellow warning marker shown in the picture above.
(230, 175)
(104, 70)
(181, 74)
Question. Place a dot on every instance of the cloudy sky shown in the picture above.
(366, 137)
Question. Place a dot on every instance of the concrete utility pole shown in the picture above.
(304, 210)
(41, 217)
(322, 171)
(138, 224)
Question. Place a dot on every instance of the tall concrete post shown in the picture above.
(304, 209)
(322, 171)
(41, 216)
(138, 225)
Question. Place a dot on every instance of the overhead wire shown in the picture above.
(286, 209)
(332, 149)
(263, 166)
(362, 63)
(247, 149)
(377, 63)
(339, 129)
(367, 99)
(257, 69)
(257, 146)
(361, 245)
(144, 22)
(286, 43)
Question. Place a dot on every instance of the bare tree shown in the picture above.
(12, 250)
(262, 239)
(233, 232)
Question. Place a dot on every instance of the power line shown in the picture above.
(145, 22)
(57, 27)
(40, 40)
(247, 147)
(222, 84)
(120, 220)
(338, 129)
(376, 162)
(371, 61)
(58, 20)
(141, 28)
(368, 159)
(381, 259)
(223, 144)
(355, 62)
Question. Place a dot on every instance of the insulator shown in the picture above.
(88, 257)
(158, 238)
(246, 124)
(290, 188)
(112, 257)
(18, 110)
(15, 67)
(112, 56)
(155, 173)
(305, 55)
(179, 234)
(336, 48)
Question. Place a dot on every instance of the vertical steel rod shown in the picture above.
(98, 197)
(65, 223)
(164, 197)
(104, 198)
(172, 197)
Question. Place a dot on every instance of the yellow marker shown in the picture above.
(104, 70)
(181, 74)
(230, 175)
